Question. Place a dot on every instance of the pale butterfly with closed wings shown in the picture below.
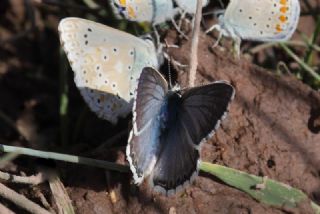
(106, 64)
(259, 20)
(169, 126)
(153, 11)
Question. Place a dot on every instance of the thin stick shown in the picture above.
(296, 43)
(313, 40)
(64, 99)
(4, 209)
(194, 45)
(66, 158)
(66, 5)
(60, 195)
(306, 67)
(44, 201)
(5, 159)
(34, 179)
(21, 201)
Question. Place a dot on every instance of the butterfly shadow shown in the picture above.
(112, 150)
(92, 137)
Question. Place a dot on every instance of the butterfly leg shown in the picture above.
(236, 46)
(214, 27)
(218, 40)
(156, 33)
(182, 17)
(218, 28)
(178, 29)
(176, 64)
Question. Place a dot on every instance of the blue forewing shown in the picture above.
(168, 128)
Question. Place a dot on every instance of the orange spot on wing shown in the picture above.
(283, 2)
(283, 9)
(278, 28)
(283, 18)
(131, 12)
(122, 3)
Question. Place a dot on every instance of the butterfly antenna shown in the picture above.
(169, 65)
(169, 71)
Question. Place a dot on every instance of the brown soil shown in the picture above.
(272, 128)
(271, 131)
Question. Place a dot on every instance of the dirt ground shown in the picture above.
(272, 128)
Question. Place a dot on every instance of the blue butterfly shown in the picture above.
(169, 127)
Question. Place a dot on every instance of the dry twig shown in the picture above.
(4, 209)
(34, 179)
(194, 44)
(60, 194)
(21, 201)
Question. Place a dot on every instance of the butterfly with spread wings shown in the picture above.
(169, 127)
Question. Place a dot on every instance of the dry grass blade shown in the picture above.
(34, 179)
(306, 67)
(60, 195)
(21, 201)
(262, 189)
(4, 209)
(194, 45)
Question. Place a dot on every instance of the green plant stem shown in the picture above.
(79, 123)
(294, 43)
(91, 4)
(270, 192)
(65, 157)
(313, 40)
(301, 62)
(64, 101)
